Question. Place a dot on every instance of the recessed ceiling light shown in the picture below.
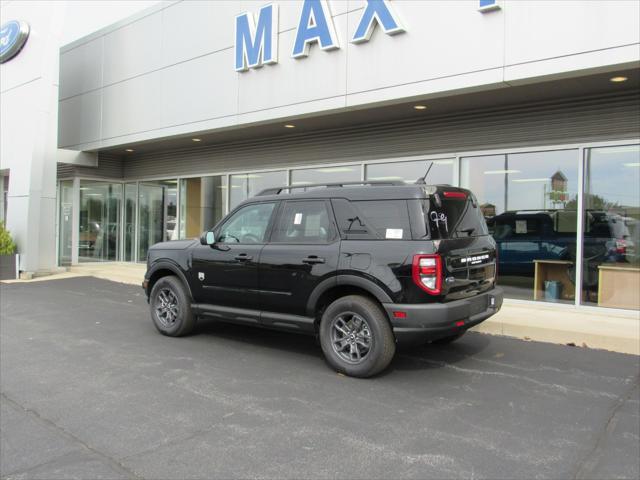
(618, 79)
(420, 107)
(129, 150)
(288, 125)
(196, 139)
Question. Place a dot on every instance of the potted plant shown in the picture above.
(8, 255)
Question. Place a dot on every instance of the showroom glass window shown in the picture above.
(203, 201)
(247, 185)
(343, 173)
(441, 171)
(100, 209)
(611, 261)
(529, 201)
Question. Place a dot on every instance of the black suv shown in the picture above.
(362, 266)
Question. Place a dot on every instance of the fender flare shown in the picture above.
(346, 280)
(173, 267)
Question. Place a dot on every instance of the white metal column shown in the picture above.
(456, 171)
(228, 206)
(580, 226)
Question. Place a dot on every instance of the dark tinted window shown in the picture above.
(350, 222)
(454, 218)
(389, 218)
(511, 226)
(303, 222)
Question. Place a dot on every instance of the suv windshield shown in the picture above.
(454, 217)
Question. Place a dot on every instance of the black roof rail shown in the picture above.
(278, 190)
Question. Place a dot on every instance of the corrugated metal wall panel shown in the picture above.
(572, 121)
(109, 167)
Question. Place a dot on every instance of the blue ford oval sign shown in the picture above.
(13, 36)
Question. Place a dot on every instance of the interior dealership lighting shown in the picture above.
(500, 172)
(632, 164)
(524, 180)
(288, 125)
(618, 79)
(196, 139)
(420, 107)
(334, 169)
(129, 150)
(391, 177)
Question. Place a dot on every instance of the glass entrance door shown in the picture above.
(99, 236)
(157, 209)
(129, 226)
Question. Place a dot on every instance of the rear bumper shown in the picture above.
(429, 321)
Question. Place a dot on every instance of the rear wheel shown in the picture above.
(171, 307)
(449, 339)
(356, 337)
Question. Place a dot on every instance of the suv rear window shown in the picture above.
(454, 217)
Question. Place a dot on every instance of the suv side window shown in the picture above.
(390, 218)
(247, 225)
(351, 224)
(303, 222)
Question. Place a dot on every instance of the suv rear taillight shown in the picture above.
(427, 273)
(456, 195)
(621, 246)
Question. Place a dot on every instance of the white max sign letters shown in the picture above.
(257, 37)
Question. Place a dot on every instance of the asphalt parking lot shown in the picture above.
(91, 390)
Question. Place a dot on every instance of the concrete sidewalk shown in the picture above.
(121, 272)
(601, 328)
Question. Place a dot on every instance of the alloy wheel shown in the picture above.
(166, 306)
(351, 337)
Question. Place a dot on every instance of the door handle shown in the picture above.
(243, 257)
(313, 259)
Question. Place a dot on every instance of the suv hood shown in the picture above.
(174, 245)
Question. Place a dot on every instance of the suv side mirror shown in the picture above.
(208, 238)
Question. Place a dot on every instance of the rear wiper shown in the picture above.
(468, 231)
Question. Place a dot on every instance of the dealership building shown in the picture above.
(168, 119)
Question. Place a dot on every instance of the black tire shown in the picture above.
(449, 339)
(369, 332)
(171, 307)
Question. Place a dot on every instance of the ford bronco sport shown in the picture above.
(362, 266)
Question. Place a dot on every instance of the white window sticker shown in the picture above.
(521, 226)
(297, 220)
(395, 233)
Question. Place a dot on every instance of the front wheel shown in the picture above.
(356, 337)
(171, 307)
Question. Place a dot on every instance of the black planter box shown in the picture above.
(8, 267)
